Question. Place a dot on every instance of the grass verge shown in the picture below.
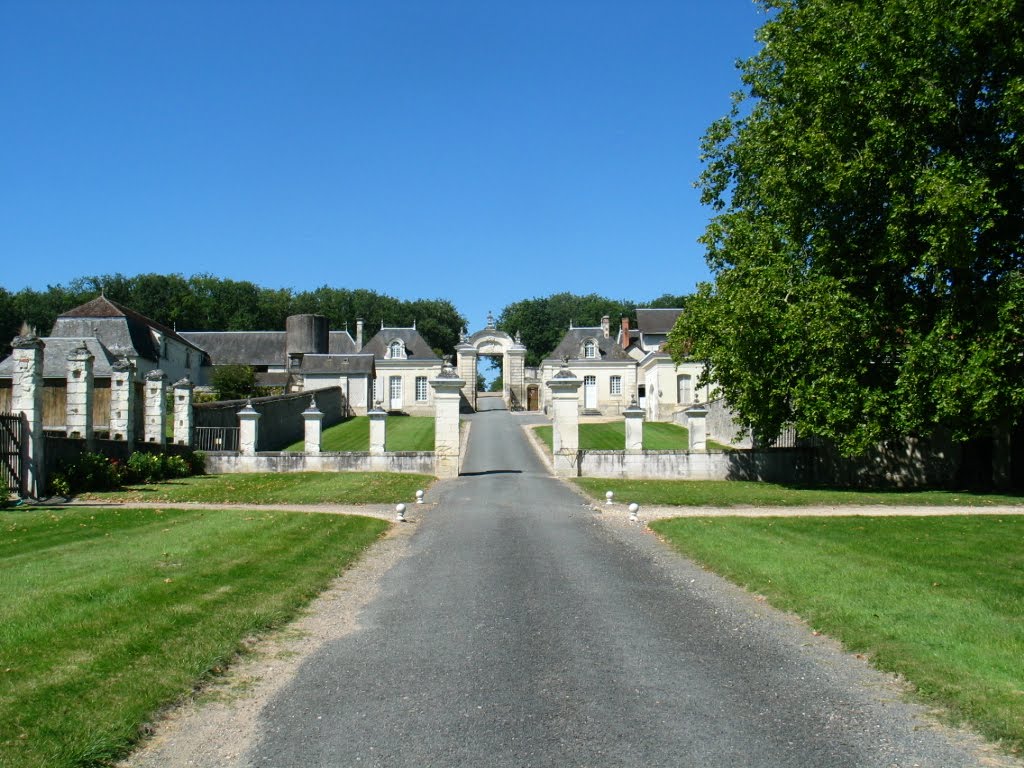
(937, 600)
(730, 493)
(404, 433)
(611, 436)
(276, 488)
(110, 614)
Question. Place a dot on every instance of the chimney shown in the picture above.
(606, 326)
(625, 332)
(359, 334)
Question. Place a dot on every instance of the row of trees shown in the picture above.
(208, 303)
(542, 322)
(867, 240)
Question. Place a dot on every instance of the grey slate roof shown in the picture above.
(114, 326)
(55, 354)
(341, 343)
(361, 364)
(572, 345)
(240, 347)
(656, 320)
(416, 347)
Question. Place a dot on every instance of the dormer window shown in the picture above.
(396, 350)
(590, 349)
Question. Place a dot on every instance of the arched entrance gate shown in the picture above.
(491, 341)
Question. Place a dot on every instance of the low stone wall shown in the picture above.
(776, 466)
(419, 462)
(281, 422)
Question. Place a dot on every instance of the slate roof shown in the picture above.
(55, 354)
(353, 364)
(114, 326)
(341, 343)
(656, 320)
(572, 345)
(416, 347)
(241, 347)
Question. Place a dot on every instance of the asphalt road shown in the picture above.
(522, 631)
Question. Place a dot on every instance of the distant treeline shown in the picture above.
(208, 303)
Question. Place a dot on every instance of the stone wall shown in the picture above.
(776, 466)
(419, 462)
(281, 421)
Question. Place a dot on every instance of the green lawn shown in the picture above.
(109, 614)
(727, 493)
(403, 433)
(938, 600)
(277, 488)
(611, 436)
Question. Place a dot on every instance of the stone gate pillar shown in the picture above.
(248, 429)
(378, 430)
(27, 400)
(154, 427)
(448, 389)
(466, 359)
(565, 433)
(697, 424)
(183, 412)
(634, 416)
(312, 421)
(514, 375)
(80, 390)
(122, 401)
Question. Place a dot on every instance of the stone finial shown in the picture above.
(183, 383)
(447, 370)
(519, 339)
(462, 335)
(156, 375)
(491, 325)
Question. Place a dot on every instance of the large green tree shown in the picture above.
(543, 321)
(868, 189)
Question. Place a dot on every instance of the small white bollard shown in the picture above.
(400, 512)
(419, 497)
(634, 508)
(608, 497)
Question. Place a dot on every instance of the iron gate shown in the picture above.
(10, 451)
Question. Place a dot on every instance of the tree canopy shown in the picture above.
(543, 321)
(869, 217)
(208, 303)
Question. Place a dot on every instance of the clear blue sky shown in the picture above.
(478, 151)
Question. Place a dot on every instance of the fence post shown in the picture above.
(248, 429)
(122, 401)
(634, 416)
(378, 429)
(155, 414)
(697, 424)
(183, 417)
(27, 400)
(313, 419)
(447, 388)
(565, 432)
(80, 390)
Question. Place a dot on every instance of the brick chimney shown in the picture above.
(606, 326)
(359, 334)
(625, 332)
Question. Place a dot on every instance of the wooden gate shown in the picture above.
(10, 451)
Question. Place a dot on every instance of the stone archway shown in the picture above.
(491, 341)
